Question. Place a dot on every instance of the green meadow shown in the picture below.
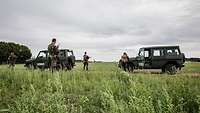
(103, 89)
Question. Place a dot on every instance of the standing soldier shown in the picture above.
(12, 59)
(53, 54)
(124, 60)
(85, 61)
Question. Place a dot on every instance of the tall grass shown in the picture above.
(103, 89)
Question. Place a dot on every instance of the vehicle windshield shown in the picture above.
(141, 52)
(42, 54)
(69, 53)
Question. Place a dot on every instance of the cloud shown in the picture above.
(101, 26)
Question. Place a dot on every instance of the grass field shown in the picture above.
(103, 89)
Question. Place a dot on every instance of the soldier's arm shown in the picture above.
(9, 58)
(58, 45)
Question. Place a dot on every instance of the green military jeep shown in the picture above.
(66, 60)
(166, 58)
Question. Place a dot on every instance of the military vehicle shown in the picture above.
(42, 61)
(166, 58)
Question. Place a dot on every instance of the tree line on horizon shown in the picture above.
(23, 52)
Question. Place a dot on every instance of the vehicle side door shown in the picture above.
(158, 58)
(147, 58)
(62, 55)
(140, 59)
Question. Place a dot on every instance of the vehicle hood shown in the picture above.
(30, 60)
(132, 58)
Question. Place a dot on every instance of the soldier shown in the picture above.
(124, 59)
(53, 54)
(12, 59)
(85, 61)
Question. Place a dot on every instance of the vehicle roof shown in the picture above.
(59, 50)
(156, 47)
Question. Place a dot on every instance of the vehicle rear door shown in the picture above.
(173, 55)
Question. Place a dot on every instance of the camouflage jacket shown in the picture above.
(53, 50)
(85, 58)
(12, 58)
(125, 58)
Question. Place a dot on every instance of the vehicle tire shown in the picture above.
(30, 66)
(69, 66)
(34, 66)
(58, 67)
(163, 70)
(170, 69)
(131, 67)
(62, 66)
(42, 68)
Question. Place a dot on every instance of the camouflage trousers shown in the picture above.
(85, 65)
(11, 64)
(53, 61)
(125, 66)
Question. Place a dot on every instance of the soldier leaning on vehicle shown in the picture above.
(124, 59)
(12, 59)
(85, 61)
(53, 54)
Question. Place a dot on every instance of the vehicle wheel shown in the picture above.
(42, 68)
(34, 66)
(69, 67)
(163, 70)
(170, 69)
(131, 67)
(30, 66)
(62, 66)
(58, 67)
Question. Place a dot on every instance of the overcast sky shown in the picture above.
(103, 28)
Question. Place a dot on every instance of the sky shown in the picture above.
(103, 28)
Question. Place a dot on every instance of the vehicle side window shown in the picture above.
(177, 51)
(69, 53)
(146, 53)
(169, 52)
(141, 53)
(156, 53)
(173, 52)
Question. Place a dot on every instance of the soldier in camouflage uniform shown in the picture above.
(53, 54)
(124, 61)
(12, 59)
(85, 61)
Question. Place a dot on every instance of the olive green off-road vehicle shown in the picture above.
(166, 58)
(66, 60)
